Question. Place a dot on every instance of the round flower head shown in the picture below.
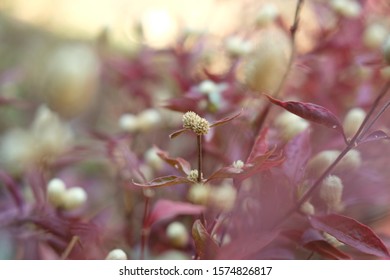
(195, 123)
(116, 254)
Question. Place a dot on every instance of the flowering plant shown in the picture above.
(276, 151)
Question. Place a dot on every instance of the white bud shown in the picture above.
(267, 14)
(52, 136)
(207, 86)
(332, 240)
(386, 50)
(353, 120)
(331, 191)
(223, 197)
(152, 159)
(290, 125)
(17, 150)
(350, 162)
(128, 122)
(148, 119)
(307, 208)
(266, 65)
(374, 35)
(346, 8)
(238, 164)
(198, 194)
(237, 47)
(116, 254)
(71, 79)
(320, 162)
(74, 197)
(56, 190)
(193, 175)
(385, 72)
(177, 234)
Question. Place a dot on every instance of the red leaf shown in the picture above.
(225, 120)
(260, 146)
(297, 153)
(244, 247)
(205, 246)
(375, 136)
(167, 209)
(326, 250)
(164, 181)
(178, 132)
(179, 163)
(311, 112)
(258, 164)
(352, 233)
(313, 240)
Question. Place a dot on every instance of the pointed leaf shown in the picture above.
(311, 112)
(247, 245)
(205, 246)
(164, 181)
(326, 250)
(258, 164)
(313, 240)
(225, 120)
(167, 209)
(297, 153)
(260, 146)
(352, 233)
(178, 132)
(375, 136)
(179, 163)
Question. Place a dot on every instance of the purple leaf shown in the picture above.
(225, 120)
(245, 246)
(205, 246)
(167, 209)
(375, 136)
(311, 112)
(297, 153)
(178, 132)
(352, 233)
(164, 181)
(258, 164)
(178, 163)
(260, 146)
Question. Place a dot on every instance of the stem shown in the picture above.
(365, 128)
(351, 145)
(200, 160)
(70, 247)
(145, 229)
(293, 30)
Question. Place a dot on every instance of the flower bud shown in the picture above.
(267, 14)
(307, 208)
(290, 125)
(198, 194)
(56, 190)
(153, 160)
(374, 35)
(353, 120)
(128, 122)
(116, 254)
(320, 162)
(266, 65)
(177, 234)
(239, 164)
(148, 119)
(331, 191)
(74, 198)
(386, 50)
(195, 123)
(223, 197)
(71, 79)
(346, 8)
(237, 47)
(350, 162)
(193, 176)
(332, 240)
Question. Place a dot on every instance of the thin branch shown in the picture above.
(200, 160)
